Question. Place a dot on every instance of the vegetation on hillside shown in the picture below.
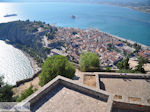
(54, 66)
(111, 47)
(6, 93)
(89, 62)
(124, 66)
(137, 47)
(26, 93)
(27, 36)
(51, 34)
(141, 62)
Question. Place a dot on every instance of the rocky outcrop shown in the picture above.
(17, 32)
(27, 36)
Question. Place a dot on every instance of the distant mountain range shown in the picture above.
(140, 5)
(110, 1)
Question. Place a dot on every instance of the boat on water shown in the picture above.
(10, 15)
(73, 17)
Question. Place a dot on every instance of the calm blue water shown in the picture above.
(14, 65)
(123, 22)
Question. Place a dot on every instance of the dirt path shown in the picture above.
(35, 83)
(23, 87)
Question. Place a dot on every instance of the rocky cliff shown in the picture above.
(27, 35)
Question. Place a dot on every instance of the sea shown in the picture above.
(14, 65)
(123, 22)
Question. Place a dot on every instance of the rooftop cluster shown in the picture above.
(109, 49)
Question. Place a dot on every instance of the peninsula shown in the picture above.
(42, 40)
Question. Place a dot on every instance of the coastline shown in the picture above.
(33, 63)
(128, 7)
(26, 82)
(136, 9)
(123, 39)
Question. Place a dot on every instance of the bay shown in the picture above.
(14, 65)
(123, 22)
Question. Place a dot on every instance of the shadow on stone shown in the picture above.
(56, 90)
(102, 85)
(43, 100)
(147, 80)
(76, 78)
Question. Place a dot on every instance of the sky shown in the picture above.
(78, 0)
(140, 2)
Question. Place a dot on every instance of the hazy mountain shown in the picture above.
(111, 1)
(140, 5)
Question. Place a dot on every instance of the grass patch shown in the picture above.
(26, 93)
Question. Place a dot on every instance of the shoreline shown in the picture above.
(123, 39)
(33, 63)
(114, 36)
(103, 3)
(36, 69)
(128, 7)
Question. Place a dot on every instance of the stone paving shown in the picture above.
(90, 80)
(65, 95)
(78, 76)
(63, 99)
(131, 88)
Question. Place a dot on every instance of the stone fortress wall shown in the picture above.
(112, 103)
(95, 93)
(122, 103)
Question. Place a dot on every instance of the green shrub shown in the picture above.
(127, 71)
(89, 62)
(6, 93)
(137, 47)
(124, 64)
(108, 69)
(141, 62)
(26, 93)
(54, 66)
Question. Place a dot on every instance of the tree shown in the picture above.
(120, 65)
(141, 62)
(50, 35)
(54, 66)
(1, 81)
(110, 46)
(6, 93)
(137, 47)
(124, 64)
(140, 68)
(89, 62)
